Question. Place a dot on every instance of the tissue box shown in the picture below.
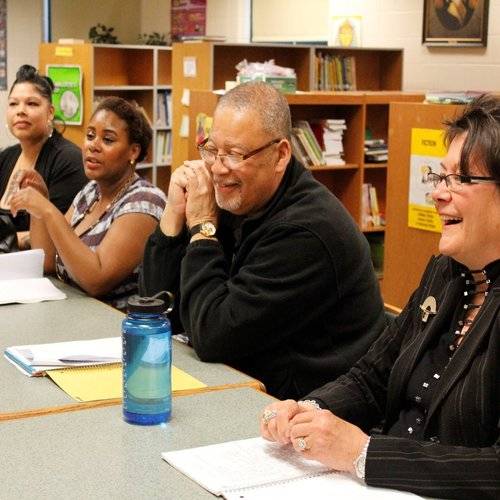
(286, 84)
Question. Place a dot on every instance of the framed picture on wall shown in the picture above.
(455, 23)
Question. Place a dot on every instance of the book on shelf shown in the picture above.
(163, 147)
(335, 72)
(370, 211)
(34, 360)
(376, 242)
(164, 108)
(255, 469)
(376, 150)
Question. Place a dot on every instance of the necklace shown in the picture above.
(115, 198)
(473, 288)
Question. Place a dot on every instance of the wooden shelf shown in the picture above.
(347, 166)
(373, 229)
(375, 165)
(135, 72)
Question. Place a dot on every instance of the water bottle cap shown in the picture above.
(146, 304)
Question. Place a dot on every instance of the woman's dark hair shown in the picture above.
(139, 130)
(480, 120)
(29, 74)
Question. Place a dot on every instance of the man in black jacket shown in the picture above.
(272, 275)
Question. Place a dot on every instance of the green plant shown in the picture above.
(155, 38)
(102, 34)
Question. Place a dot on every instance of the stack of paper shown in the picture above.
(21, 277)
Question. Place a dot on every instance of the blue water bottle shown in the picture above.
(147, 361)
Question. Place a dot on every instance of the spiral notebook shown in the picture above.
(255, 469)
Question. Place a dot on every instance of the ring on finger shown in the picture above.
(301, 444)
(268, 415)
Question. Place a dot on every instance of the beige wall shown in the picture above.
(155, 16)
(73, 18)
(396, 23)
(24, 32)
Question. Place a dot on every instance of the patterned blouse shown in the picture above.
(139, 197)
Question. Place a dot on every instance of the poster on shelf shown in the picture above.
(427, 152)
(67, 95)
(345, 31)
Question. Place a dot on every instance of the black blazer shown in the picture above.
(460, 456)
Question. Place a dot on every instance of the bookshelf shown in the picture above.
(135, 72)
(376, 69)
(407, 250)
(360, 110)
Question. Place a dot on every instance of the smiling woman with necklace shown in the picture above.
(99, 243)
(428, 390)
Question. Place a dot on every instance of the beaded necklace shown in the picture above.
(115, 198)
(472, 288)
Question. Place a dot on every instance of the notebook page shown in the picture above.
(329, 486)
(241, 464)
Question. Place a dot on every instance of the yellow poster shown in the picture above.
(427, 151)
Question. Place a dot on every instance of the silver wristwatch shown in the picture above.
(360, 462)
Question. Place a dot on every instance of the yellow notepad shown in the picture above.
(93, 383)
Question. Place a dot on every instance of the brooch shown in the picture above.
(429, 307)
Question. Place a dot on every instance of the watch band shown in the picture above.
(360, 462)
(206, 228)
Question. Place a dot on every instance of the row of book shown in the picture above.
(370, 212)
(163, 147)
(164, 109)
(319, 142)
(335, 72)
(375, 150)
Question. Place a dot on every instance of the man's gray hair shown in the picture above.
(268, 102)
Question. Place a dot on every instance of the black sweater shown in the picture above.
(288, 296)
(59, 163)
(459, 455)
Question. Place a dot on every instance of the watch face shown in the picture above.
(207, 229)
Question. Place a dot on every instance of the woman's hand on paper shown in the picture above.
(320, 435)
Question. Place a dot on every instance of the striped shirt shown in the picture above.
(140, 197)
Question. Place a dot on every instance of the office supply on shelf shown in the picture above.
(254, 469)
(21, 276)
(94, 383)
(35, 360)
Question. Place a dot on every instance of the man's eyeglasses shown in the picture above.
(229, 160)
(455, 182)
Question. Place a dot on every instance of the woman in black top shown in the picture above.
(431, 381)
(29, 117)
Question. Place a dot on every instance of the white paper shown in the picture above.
(330, 486)
(21, 265)
(43, 357)
(241, 464)
(184, 130)
(186, 96)
(27, 291)
(255, 469)
(189, 67)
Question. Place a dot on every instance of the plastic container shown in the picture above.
(147, 362)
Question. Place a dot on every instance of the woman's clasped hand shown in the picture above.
(317, 434)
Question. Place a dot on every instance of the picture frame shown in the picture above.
(455, 23)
